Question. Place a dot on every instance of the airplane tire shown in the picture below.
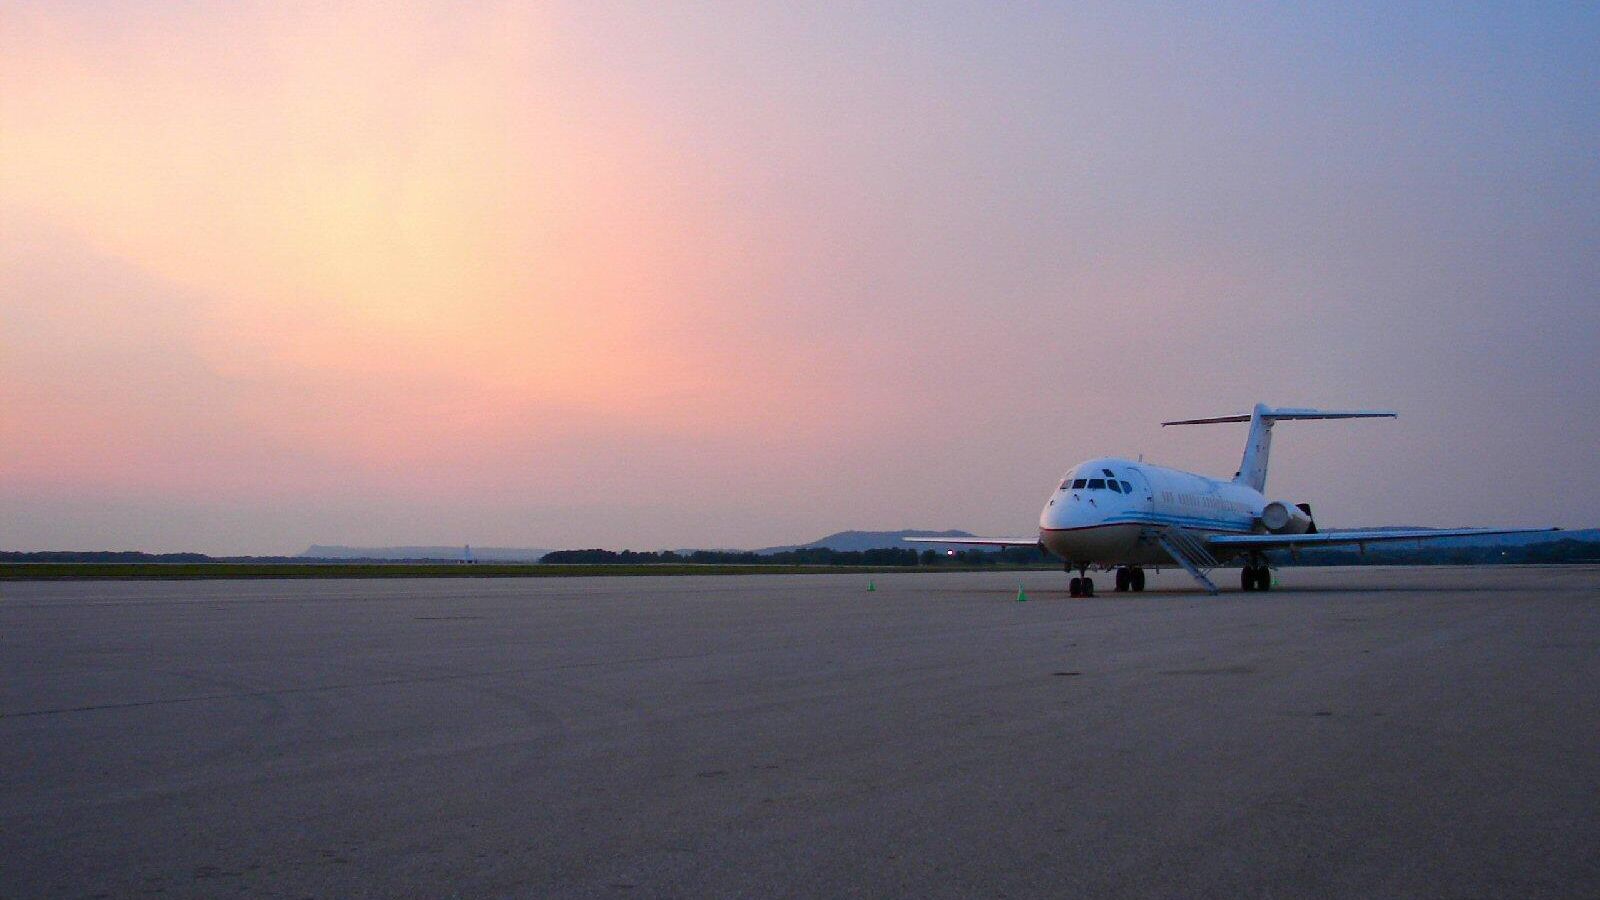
(1263, 579)
(1122, 580)
(1247, 578)
(1088, 587)
(1075, 587)
(1137, 579)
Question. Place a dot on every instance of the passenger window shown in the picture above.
(1077, 484)
(1113, 485)
(1127, 488)
(1097, 484)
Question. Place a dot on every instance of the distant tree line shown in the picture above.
(101, 556)
(1006, 556)
(810, 556)
(136, 556)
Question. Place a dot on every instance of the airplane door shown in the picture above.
(1143, 491)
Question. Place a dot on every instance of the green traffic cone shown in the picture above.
(871, 586)
(1022, 596)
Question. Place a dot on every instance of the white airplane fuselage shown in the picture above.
(1127, 514)
(1102, 526)
(1117, 513)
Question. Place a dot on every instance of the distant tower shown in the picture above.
(466, 554)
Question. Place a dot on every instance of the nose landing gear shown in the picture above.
(1081, 586)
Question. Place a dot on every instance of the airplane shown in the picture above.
(1124, 515)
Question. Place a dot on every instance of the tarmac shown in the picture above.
(1357, 732)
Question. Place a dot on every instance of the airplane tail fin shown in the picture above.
(1253, 468)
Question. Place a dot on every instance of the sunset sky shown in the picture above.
(731, 275)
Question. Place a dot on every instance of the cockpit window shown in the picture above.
(1077, 483)
(1109, 473)
(1114, 486)
(1127, 488)
(1097, 484)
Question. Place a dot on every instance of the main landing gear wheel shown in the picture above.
(1080, 587)
(1130, 578)
(1255, 578)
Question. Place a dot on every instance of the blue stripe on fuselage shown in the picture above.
(1164, 519)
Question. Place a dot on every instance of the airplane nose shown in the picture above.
(1068, 510)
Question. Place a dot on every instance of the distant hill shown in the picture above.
(452, 554)
(873, 540)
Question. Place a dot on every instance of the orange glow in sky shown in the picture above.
(670, 275)
(394, 237)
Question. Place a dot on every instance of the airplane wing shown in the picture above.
(1371, 535)
(979, 541)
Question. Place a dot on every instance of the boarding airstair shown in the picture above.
(1188, 550)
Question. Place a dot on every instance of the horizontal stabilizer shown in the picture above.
(1285, 414)
(1253, 467)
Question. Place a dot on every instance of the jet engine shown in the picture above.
(1279, 517)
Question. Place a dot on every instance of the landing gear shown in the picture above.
(1255, 578)
(1130, 578)
(1082, 586)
